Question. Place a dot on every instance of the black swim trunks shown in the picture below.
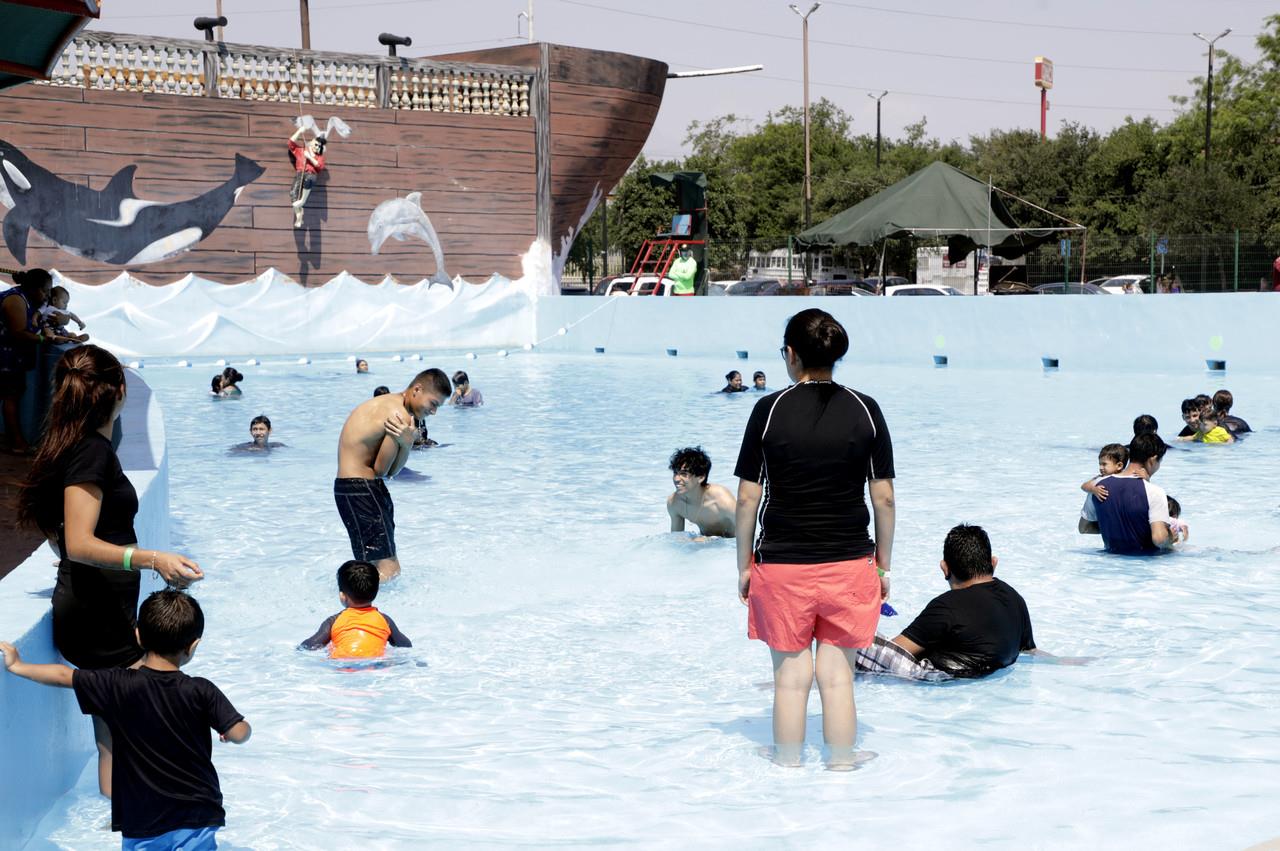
(366, 510)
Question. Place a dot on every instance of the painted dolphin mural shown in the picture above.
(112, 225)
(402, 218)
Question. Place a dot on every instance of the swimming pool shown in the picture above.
(581, 676)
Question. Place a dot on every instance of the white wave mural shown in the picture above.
(273, 315)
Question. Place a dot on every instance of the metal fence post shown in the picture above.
(1151, 256)
(1236, 265)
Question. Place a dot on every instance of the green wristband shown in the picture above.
(881, 571)
(128, 558)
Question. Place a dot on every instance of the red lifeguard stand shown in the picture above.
(688, 227)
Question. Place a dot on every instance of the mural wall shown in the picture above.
(116, 168)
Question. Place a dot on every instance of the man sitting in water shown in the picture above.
(1134, 518)
(758, 382)
(359, 631)
(1222, 402)
(260, 431)
(733, 382)
(375, 444)
(707, 506)
(979, 626)
(1145, 424)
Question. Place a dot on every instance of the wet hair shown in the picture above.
(1145, 424)
(817, 338)
(460, 377)
(967, 552)
(33, 280)
(691, 459)
(380, 390)
(1223, 400)
(88, 381)
(361, 361)
(359, 581)
(1210, 415)
(233, 375)
(1117, 452)
(169, 621)
(1204, 401)
(433, 379)
(1189, 405)
(757, 374)
(1175, 509)
(728, 376)
(1144, 447)
(260, 418)
(216, 384)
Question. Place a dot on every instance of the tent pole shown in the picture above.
(884, 244)
(1084, 254)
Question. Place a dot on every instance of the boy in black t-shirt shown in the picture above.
(979, 626)
(165, 789)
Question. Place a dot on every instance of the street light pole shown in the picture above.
(877, 99)
(304, 13)
(808, 186)
(1208, 103)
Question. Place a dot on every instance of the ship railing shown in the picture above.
(191, 68)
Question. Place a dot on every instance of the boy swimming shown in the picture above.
(709, 507)
(359, 631)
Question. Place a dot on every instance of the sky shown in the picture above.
(966, 68)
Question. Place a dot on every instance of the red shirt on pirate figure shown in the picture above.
(308, 161)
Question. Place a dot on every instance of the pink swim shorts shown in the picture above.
(836, 602)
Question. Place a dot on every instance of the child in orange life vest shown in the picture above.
(359, 631)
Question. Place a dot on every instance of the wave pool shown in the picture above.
(582, 677)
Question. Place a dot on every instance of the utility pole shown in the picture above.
(1208, 103)
(305, 11)
(528, 16)
(218, 14)
(877, 99)
(808, 184)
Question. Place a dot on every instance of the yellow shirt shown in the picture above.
(1217, 434)
(684, 272)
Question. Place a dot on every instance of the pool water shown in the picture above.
(581, 676)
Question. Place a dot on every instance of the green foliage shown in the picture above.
(1140, 178)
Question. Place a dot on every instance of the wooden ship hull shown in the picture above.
(164, 158)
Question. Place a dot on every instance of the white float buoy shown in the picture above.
(252, 362)
(528, 347)
(470, 356)
(397, 358)
(220, 362)
(415, 356)
(304, 360)
(502, 353)
(184, 363)
(135, 364)
(351, 358)
(562, 331)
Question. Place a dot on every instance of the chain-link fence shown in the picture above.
(1235, 262)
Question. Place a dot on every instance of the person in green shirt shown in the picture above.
(684, 271)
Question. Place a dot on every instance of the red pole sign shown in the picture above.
(1044, 82)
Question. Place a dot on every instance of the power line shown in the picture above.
(873, 48)
(997, 22)
(935, 96)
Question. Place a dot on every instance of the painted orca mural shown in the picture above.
(113, 225)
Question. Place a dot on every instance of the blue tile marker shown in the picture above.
(1216, 365)
(599, 350)
(672, 352)
(1049, 363)
(939, 360)
(742, 354)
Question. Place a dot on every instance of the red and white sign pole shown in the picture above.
(1044, 82)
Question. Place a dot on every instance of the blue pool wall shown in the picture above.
(44, 740)
(1105, 333)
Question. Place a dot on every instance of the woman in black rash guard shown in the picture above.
(809, 569)
(78, 495)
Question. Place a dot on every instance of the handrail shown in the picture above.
(192, 68)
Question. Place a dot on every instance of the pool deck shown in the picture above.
(18, 544)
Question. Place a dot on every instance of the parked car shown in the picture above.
(755, 286)
(1011, 288)
(874, 284)
(922, 289)
(1127, 284)
(602, 285)
(644, 285)
(1070, 288)
(838, 287)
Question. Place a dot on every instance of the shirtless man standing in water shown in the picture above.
(707, 506)
(374, 445)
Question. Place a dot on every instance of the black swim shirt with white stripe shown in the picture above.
(812, 447)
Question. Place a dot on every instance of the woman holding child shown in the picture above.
(78, 495)
(814, 572)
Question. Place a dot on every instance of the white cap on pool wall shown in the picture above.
(220, 362)
(561, 331)
(184, 363)
(252, 362)
(502, 353)
(304, 360)
(415, 356)
(470, 356)
(135, 364)
(397, 358)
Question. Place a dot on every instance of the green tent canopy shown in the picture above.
(33, 34)
(939, 200)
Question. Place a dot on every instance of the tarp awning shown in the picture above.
(34, 34)
(940, 200)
